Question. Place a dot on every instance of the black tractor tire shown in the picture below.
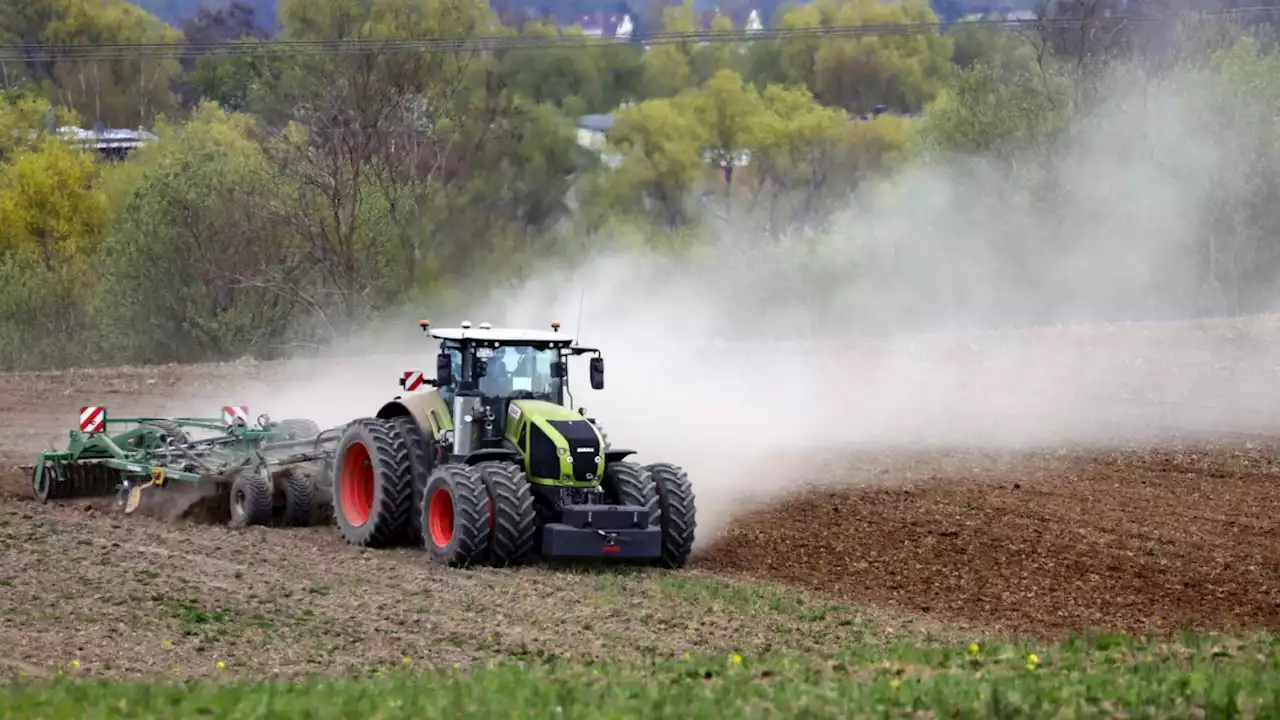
(168, 428)
(422, 457)
(251, 500)
(679, 513)
(371, 484)
(455, 516)
(627, 483)
(512, 521)
(298, 491)
(298, 428)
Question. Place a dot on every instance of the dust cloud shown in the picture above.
(968, 304)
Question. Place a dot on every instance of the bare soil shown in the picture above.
(163, 591)
(892, 545)
(1039, 544)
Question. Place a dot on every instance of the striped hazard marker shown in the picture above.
(93, 419)
(235, 414)
(411, 380)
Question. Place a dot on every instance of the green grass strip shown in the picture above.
(1099, 677)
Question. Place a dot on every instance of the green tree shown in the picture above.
(376, 138)
(668, 66)
(726, 109)
(52, 218)
(900, 71)
(718, 54)
(1001, 106)
(793, 142)
(566, 74)
(233, 281)
(120, 92)
(661, 161)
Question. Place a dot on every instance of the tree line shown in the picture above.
(291, 198)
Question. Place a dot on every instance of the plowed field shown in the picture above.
(1180, 532)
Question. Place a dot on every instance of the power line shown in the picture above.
(474, 44)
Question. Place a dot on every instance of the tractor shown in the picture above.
(488, 463)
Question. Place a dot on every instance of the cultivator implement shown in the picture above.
(253, 462)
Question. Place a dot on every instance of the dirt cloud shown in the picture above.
(748, 360)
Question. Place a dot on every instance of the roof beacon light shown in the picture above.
(425, 325)
(486, 326)
(555, 325)
(466, 324)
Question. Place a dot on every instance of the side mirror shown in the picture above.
(444, 370)
(558, 369)
(597, 373)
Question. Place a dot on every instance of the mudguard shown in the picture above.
(427, 409)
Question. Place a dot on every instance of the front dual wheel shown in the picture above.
(478, 515)
(663, 489)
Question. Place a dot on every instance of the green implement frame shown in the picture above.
(146, 452)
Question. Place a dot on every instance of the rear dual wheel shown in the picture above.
(372, 484)
(475, 515)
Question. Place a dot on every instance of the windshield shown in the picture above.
(513, 369)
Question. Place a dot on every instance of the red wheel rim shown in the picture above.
(440, 518)
(357, 484)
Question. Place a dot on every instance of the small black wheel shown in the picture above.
(251, 500)
(298, 428)
(455, 516)
(678, 513)
(298, 492)
(512, 521)
(169, 432)
(42, 482)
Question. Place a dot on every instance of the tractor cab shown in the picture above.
(480, 371)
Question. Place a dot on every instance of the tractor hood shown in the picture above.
(541, 409)
(560, 447)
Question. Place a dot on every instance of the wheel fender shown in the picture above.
(427, 409)
(613, 455)
(491, 454)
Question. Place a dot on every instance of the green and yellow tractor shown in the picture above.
(489, 464)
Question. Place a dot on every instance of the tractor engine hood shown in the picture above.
(560, 447)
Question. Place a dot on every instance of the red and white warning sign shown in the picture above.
(411, 380)
(93, 419)
(235, 414)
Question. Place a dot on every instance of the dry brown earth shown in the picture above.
(895, 545)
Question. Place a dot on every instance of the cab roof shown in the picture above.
(508, 336)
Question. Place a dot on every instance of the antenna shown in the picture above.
(577, 330)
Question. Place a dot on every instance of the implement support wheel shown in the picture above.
(371, 484)
(251, 500)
